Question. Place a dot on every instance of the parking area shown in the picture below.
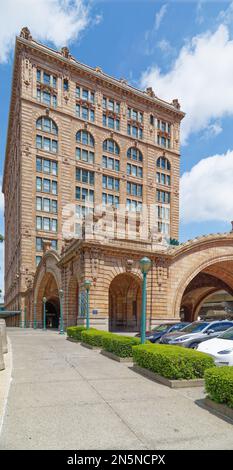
(64, 396)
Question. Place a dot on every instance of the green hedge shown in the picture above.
(94, 337)
(219, 384)
(172, 362)
(75, 332)
(120, 345)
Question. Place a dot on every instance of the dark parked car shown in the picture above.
(159, 330)
(193, 334)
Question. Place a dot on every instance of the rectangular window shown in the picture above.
(134, 189)
(39, 244)
(65, 85)
(54, 187)
(38, 94)
(77, 91)
(46, 78)
(54, 206)
(38, 184)
(54, 225)
(84, 113)
(38, 164)
(85, 94)
(38, 142)
(46, 98)
(38, 75)
(54, 101)
(46, 166)
(39, 223)
(39, 204)
(46, 224)
(46, 144)
(54, 168)
(46, 186)
(46, 205)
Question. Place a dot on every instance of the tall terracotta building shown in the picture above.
(79, 137)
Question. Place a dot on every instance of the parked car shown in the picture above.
(159, 330)
(220, 348)
(194, 333)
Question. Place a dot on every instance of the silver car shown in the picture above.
(191, 335)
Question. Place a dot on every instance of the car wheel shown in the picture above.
(194, 345)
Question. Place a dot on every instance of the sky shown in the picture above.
(183, 49)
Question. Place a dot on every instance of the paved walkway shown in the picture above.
(64, 396)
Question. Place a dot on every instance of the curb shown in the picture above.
(115, 357)
(168, 382)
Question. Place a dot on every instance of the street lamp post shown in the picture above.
(34, 322)
(87, 285)
(44, 313)
(145, 264)
(61, 326)
(25, 317)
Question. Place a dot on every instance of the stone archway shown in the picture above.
(198, 269)
(48, 289)
(125, 294)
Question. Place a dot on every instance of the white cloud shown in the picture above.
(212, 130)
(201, 78)
(206, 190)
(160, 15)
(57, 21)
(165, 46)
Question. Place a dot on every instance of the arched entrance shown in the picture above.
(52, 309)
(48, 290)
(211, 279)
(125, 302)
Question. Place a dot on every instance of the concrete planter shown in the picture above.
(168, 382)
(89, 346)
(2, 364)
(219, 408)
(115, 357)
(73, 340)
(3, 334)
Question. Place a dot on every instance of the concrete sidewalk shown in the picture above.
(64, 396)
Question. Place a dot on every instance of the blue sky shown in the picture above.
(184, 49)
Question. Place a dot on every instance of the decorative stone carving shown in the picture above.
(46, 245)
(25, 33)
(65, 52)
(150, 92)
(129, 265)
(176, 104)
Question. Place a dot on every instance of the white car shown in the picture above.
(220, 348)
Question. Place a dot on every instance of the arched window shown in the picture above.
(135, 154)
(85, 138)
(46, 124)
(163, 163)
(109, 145)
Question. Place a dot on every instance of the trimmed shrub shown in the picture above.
(219, 384)
(120, 345)
(75, 332)
(94, 337)
(172, 362)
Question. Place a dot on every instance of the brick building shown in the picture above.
(91, 184)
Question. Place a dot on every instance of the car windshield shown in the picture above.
(195, 327)
(178, 326)
(163, 327)
(227, 334)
